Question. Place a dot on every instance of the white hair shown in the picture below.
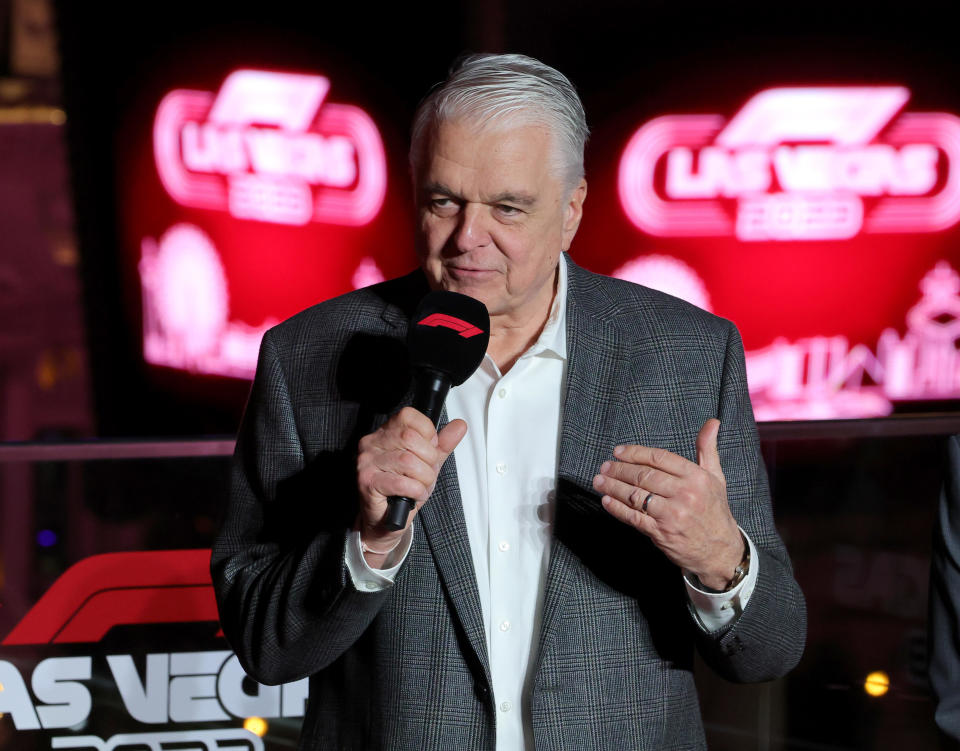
(507, 90)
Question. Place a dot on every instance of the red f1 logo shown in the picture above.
(464, 329)
(113, 589)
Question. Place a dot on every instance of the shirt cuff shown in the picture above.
(367, 579)
(713, 611)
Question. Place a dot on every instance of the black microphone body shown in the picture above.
(447, 340)
(430, 391)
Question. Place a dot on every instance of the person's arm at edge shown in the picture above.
(944, 603)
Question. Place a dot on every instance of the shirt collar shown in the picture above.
(552, 341)
(553, 338)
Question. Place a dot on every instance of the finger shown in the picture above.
(408, 430)
(452, 433)
(642, 476)
(653, 457)
(387, 444)
(409, 417)
(401, 462)
(708, 456)
(625, 493)
(407, 464)
(628, 515)
(378, 486)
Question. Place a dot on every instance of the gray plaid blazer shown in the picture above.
(407, 668)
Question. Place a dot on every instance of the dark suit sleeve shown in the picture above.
(287, 605)
(945, 602)
(767, 639)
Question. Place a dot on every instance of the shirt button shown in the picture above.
(501, 468)
(506, 706)
(504, 546)
(370, 585)
(502, 393)
(505, 626)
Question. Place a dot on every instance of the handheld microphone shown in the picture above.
(447, 340)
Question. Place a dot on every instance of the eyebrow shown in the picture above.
(520, 199)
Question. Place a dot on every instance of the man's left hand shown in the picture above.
(681, 506)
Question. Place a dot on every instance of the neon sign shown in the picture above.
(824, 377)
(172, 691)
(186, 308)
(269, 147)
(266, 147)
(802, 163)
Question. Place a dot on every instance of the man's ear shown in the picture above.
(573, 213)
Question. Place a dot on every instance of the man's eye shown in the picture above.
(443, 205)
(506, 210)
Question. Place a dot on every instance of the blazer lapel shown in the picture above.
(446, 531)
(600, 365)
(441, 518)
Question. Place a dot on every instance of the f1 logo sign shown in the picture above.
(269, 147)
(811, 163)
(464, 328)
(112, 589)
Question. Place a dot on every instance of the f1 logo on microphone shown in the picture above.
(464, 329)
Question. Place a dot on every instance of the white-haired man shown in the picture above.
(593, 509)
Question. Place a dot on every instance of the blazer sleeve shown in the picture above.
(767, 639)
(287, 604)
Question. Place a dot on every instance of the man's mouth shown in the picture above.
(468, 270)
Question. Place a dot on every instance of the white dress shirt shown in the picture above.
(506, 469)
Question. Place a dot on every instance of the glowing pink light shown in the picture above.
(824, 377)
(192, 299)
(821, 185)
(635, 179)
(798, 216)
(367, 273)
(268, 147)
(185, 187)
(940, 211)
(287, 100)
(846, 115)
(186, 308)
(360, 205)
(667, 274)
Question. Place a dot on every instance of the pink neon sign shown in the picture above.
(825, 377)
(186, 308)
(803, 163)
(269, 147)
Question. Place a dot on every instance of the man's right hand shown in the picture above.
(402, 458)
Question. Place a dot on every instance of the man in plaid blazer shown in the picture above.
(659, 531)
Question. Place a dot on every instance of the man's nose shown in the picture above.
(472, 229)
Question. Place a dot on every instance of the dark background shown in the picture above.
(854, 503)
(630, 62)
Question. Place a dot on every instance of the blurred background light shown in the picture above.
(877, 683)
(256, 725)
